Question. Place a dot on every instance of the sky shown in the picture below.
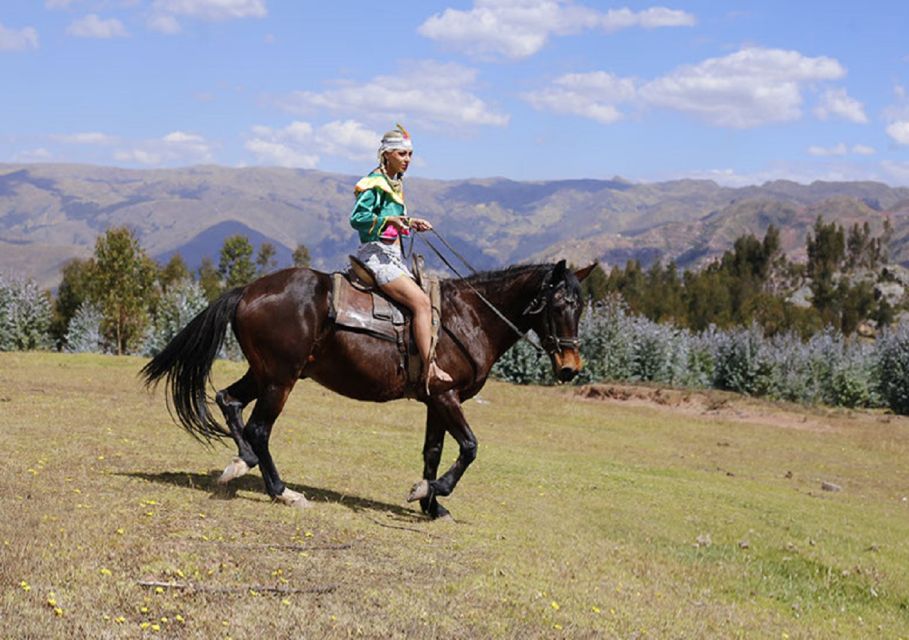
(737, 92)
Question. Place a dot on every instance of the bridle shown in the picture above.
(552, 343)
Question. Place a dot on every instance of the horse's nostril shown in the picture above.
(567, 373)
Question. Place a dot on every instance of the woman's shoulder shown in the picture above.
(373, 180)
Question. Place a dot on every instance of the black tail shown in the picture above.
(186, 364)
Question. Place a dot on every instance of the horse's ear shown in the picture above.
(559, 271)
(581, 274)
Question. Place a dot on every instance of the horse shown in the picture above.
(282, 324)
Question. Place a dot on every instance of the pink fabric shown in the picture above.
(391, 233)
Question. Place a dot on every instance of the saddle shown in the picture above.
(358, 305)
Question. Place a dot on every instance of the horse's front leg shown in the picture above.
(432, 456)
(448, 409)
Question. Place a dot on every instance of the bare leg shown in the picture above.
(408, 293)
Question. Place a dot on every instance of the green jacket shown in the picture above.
(376, 200)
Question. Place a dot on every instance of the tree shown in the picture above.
(173, 272)
(121, 284)
(301, 256)
(265, 259)
(209, 279)
(72, 292)
(83, 335)
(235, 266)
(179, 304)
(826, 251)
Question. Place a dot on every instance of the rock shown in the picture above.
(829, 486)
(704, 540)
(744, 544)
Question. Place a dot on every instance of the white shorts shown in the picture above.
(384, 260)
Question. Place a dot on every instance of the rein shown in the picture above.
(521, 334)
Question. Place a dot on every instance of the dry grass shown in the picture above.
(581, 518)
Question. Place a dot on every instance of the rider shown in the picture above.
(380, 217)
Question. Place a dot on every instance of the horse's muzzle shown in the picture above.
(566, 364)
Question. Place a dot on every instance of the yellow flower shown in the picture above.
(285, 602)
(119, 619)
(164, 620)
(557, 627)
(308, 534)
(179, 618)
(104, 572)
(156, 627)
(143, 609)
(58, 611)
(120, 531)
(555, 605)
(151, 502)
(159, 590)
(25, 586)
(51, 602)
(144, 625)
(595, 609)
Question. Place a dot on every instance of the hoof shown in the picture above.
(234, 470)
(419, 491)
(293, 499)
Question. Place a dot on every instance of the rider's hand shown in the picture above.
(419, 224)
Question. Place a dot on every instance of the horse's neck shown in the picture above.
(510, 296)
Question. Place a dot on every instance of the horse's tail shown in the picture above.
(186, 362)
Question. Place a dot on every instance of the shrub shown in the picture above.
(892, 368)
(83, 334)
(25, 316)
(180, 304)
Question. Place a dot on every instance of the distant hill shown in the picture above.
(50, 213)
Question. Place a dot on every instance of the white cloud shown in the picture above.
(592, 95)
(18, 39)
(519, 28)
(863, 150)
(301, 145)
(163, 23)
(897, 171)
(836, 102)
(899, 131)
(212, 9)
(92, 26)
(87, 137)
(745, 89)
(430, 93)
(177, 147)
(57, 4)
(748, 88)
(836, 150)
(39, 154)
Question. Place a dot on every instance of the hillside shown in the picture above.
(50, 213)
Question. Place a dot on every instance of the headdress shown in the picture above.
(397, 138)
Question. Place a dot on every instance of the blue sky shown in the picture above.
(739, 92)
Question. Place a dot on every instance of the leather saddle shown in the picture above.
(358, 305)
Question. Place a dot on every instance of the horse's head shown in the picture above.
(555, 313)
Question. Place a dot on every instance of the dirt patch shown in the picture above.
(725, 406)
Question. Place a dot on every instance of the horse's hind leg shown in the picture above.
(232, 400)
(257, 432)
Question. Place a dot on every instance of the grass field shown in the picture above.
(581, 518)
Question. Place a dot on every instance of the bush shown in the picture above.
(83, 334)
(25, 316)
(892, 368)
(180, 304)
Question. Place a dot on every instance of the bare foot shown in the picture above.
(436, 373)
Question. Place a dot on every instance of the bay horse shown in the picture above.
(281, 322)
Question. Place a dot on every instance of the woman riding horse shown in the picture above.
(380, 217)
(283, 326)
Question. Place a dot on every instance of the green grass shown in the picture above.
(579, 519)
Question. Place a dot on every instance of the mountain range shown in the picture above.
(50, 213)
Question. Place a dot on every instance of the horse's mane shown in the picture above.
(501, 274)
